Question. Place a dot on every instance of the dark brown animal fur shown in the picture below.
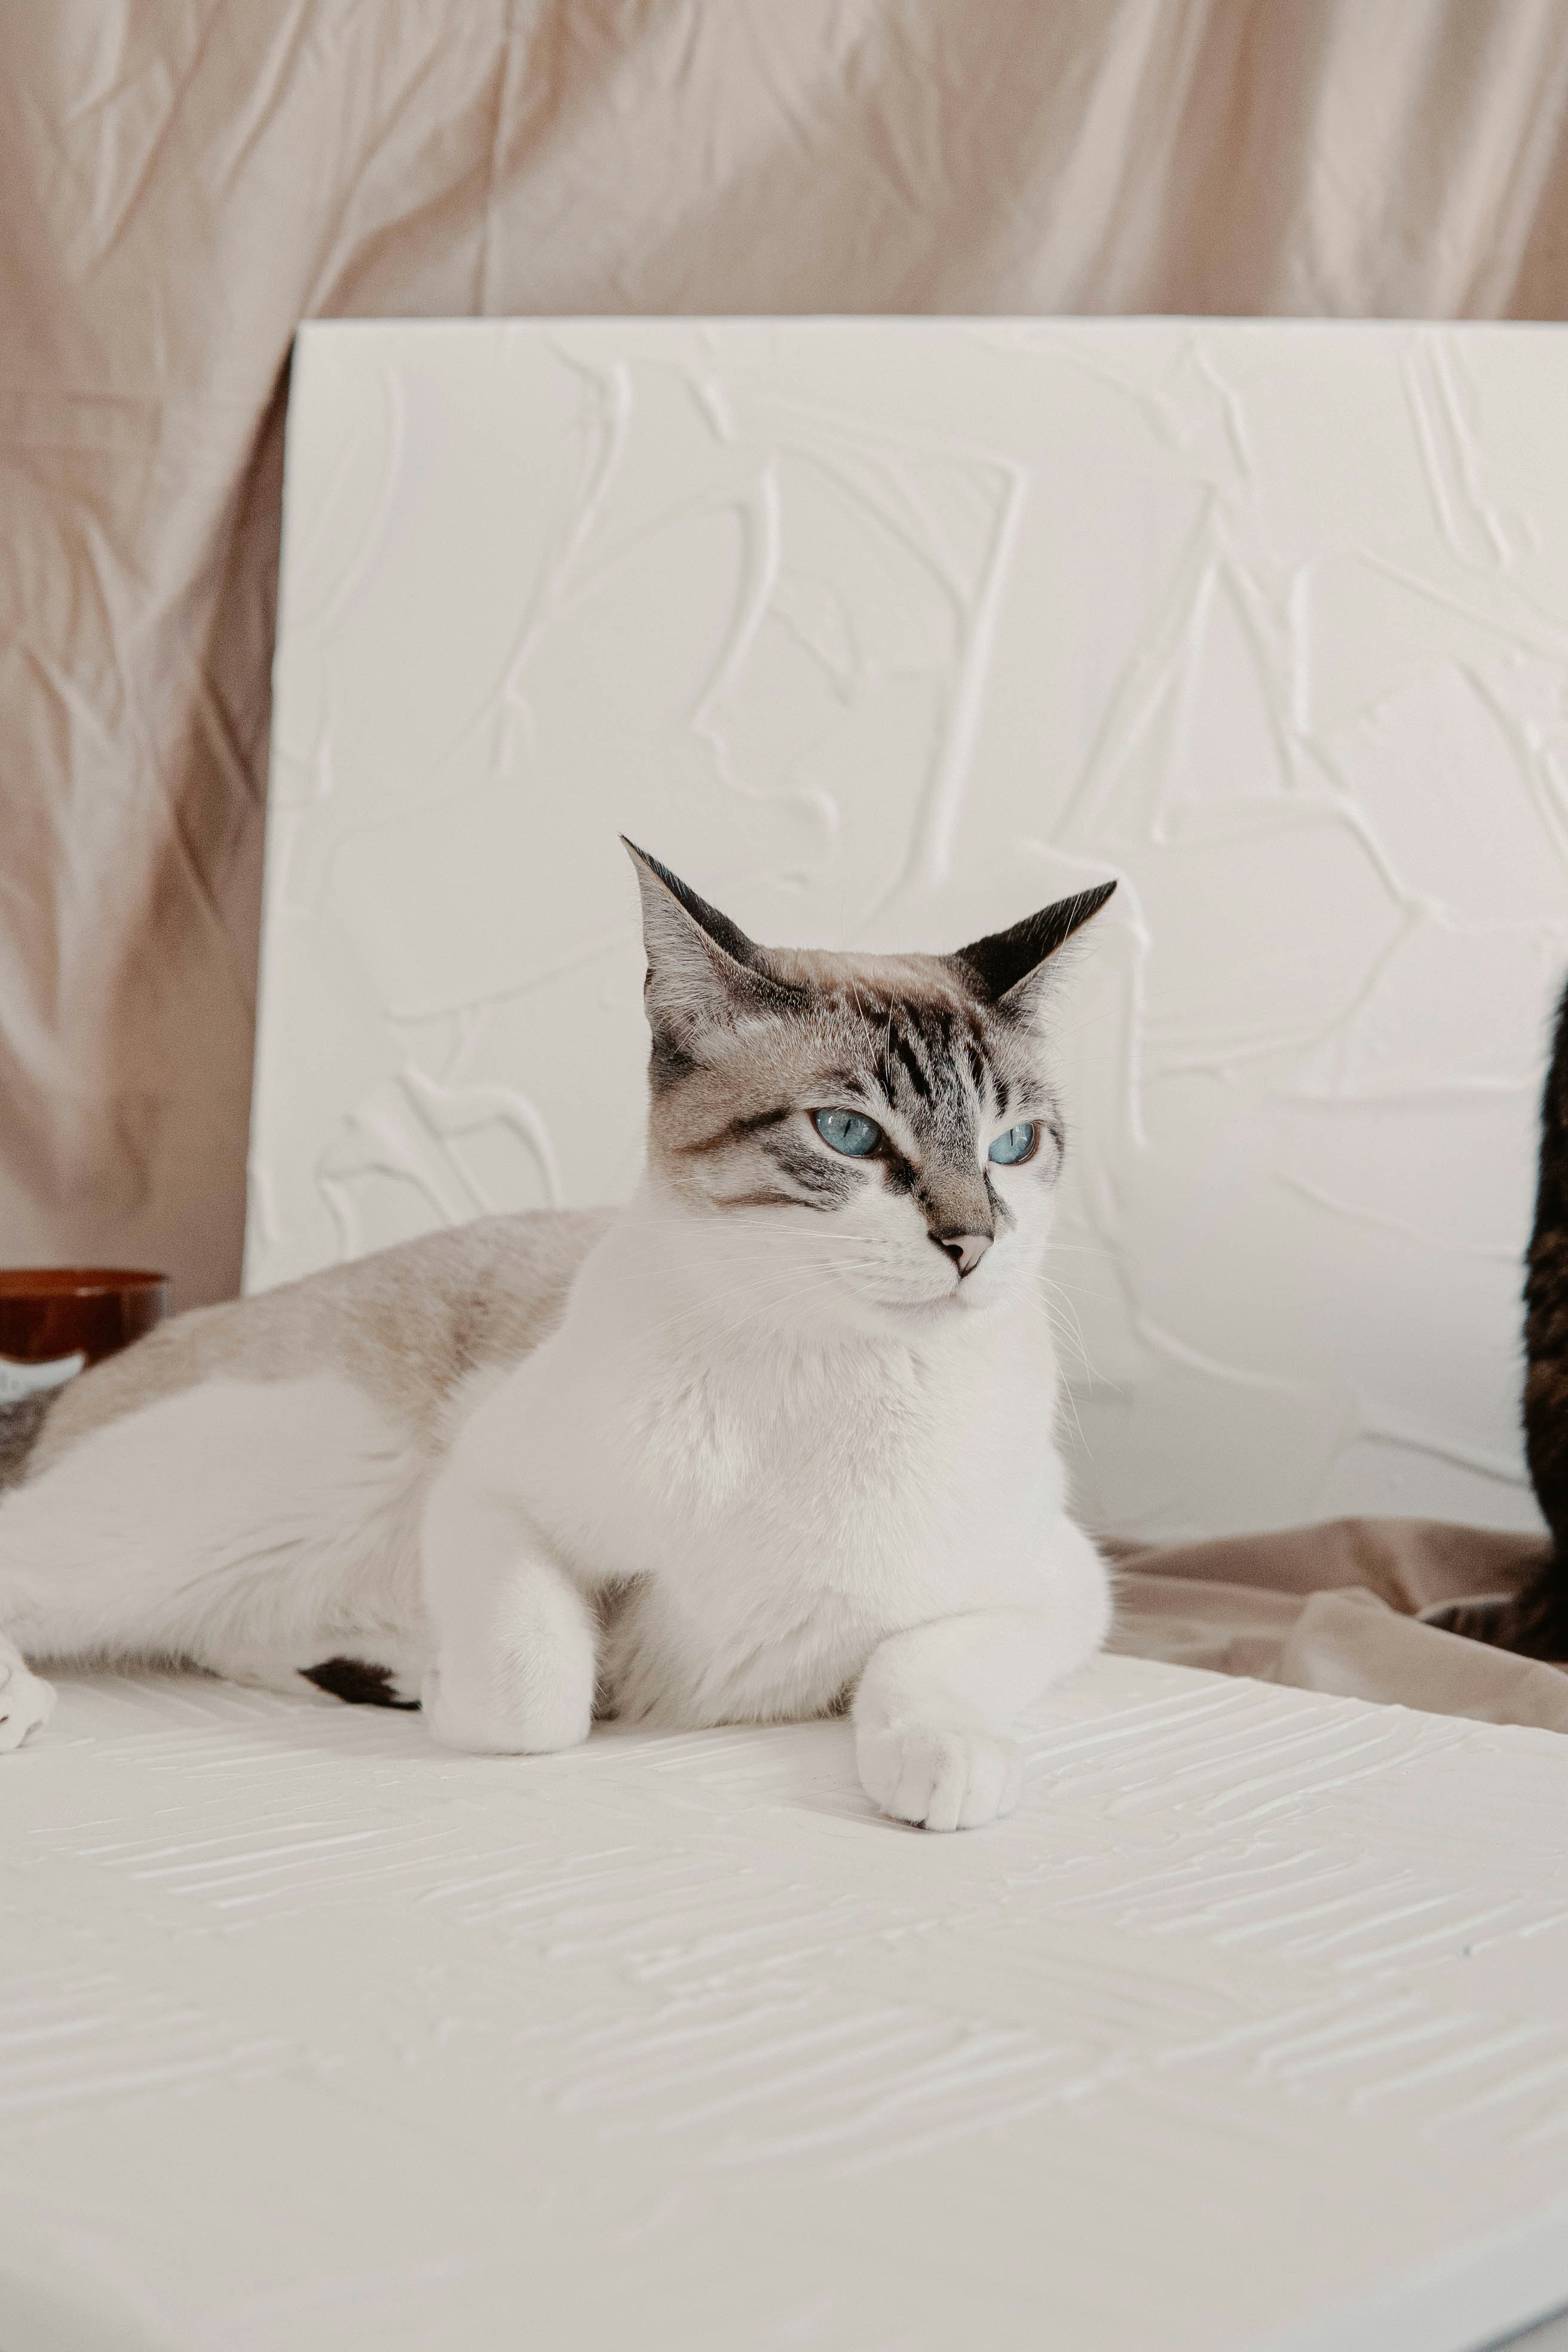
(20, 1426)
(1535, 1620)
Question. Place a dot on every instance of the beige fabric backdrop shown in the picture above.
(182, 181)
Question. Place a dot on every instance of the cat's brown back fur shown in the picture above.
(406, 1325)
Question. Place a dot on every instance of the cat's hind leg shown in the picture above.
(253, 1528)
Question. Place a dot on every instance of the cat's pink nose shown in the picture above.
(965, 1250)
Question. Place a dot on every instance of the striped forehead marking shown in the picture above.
(932, 1061)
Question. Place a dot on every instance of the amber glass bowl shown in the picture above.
(50, 1311)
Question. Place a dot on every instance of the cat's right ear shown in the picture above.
(702, 970)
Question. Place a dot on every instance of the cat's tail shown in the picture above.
(1533, 1620)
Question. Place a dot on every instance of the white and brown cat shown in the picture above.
(774, 1441)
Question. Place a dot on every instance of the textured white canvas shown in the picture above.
(1245, 2033)
(883, 633)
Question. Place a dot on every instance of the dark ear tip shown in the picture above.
(1002, 962)
(645, 862)
(675, 894)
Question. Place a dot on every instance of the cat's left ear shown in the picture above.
(1009, 968)
(702, 970)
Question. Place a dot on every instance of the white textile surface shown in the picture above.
(1247, 2031)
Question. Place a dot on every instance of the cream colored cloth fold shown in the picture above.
(1353, 1643)
(181, 186)
(1337, 1607)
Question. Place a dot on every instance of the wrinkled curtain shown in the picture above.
(184, 180)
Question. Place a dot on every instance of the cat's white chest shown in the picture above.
(817, 1463)
(778, 1509)
(887, 1478)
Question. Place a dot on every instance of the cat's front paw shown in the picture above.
(490, 1713)
(26, 1705)
(940, 1779)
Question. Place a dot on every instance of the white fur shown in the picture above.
(829, 1463)
(776, 1451)
(249, 1527)
(822, 1487)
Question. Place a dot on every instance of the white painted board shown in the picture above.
(886, 632)
(1247, 2033)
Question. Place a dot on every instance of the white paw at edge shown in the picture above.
(25, 1705)
(940, 1779)
(488, 1721)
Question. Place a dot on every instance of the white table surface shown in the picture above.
(1249, 2030)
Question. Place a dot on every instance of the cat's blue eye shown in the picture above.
(848, 1131)
(1018, 1144)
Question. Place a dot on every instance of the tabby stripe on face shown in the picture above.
(933, 1064)
(905, 1051)
(734, 1130)
(1002, 1216)
(769, 1201)
(668, 1064)
(839, 1180)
